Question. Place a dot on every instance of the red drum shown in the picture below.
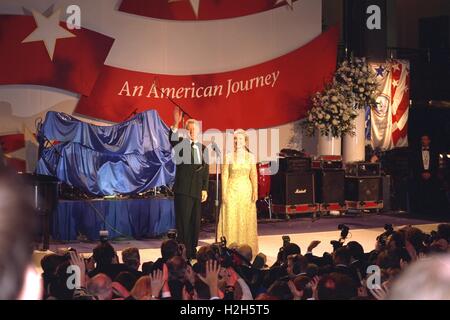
(263, 179)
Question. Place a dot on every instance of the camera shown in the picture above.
(172, 234)
(286, 241)
(104, 236)
(224, 254)
(344, 231)
(344, 234)
(382, 238)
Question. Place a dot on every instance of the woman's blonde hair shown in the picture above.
(241, 132)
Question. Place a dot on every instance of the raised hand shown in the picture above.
(157, 282)
(313, 245)
(177, 117)
(295, 292)
(211, 277)
(314, 283)
(381, 293)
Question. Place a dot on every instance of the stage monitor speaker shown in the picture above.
(293, 188)
(330, 186)
(362, 189)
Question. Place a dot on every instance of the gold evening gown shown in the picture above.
(238, 220)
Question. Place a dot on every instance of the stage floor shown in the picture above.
(302, 231)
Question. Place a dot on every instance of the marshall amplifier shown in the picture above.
(363, 169)
(293, 188)
(295, 164)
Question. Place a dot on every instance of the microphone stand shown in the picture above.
(217, 152)
(171, 100)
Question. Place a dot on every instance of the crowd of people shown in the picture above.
(406, 264)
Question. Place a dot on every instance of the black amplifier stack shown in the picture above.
(329, 175)
(363, 186)
(293, 188)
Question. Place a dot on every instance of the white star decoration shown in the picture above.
(396, 67)
(195, 4)
(48, 30)
(395, 83)
(290, 3)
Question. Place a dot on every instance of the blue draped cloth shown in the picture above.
(126, 158)
(134, 218)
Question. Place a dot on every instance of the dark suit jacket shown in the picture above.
(418, 163)
(190, 179)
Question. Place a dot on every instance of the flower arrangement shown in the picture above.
(333, 111)
(357, 82)
(330, 114)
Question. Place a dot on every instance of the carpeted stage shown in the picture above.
(302, 230)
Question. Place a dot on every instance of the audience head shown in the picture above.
(131, 258)
(169, 249)
(302, 284)
(147, 267)
(355, 250)
(100, 286)
(59, 288)
(296, 264)
(126, 279)
(336, 286)
(280, 290)
(17, 230)
(177, 268)
(104, 254)
(341, 256)
(246, 251)
(427, 279)
(289, 250)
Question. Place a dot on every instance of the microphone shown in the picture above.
(214, 146)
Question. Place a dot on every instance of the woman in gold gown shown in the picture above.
(238, 220)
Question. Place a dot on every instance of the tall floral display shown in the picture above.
(359, 83)
(338, 111)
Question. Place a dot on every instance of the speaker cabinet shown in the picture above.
(362, 189)
(330, 186)
(293, 188)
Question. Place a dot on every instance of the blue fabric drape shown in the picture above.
(136, 218)
(126, 158)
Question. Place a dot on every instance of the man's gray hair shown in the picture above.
(189, 121)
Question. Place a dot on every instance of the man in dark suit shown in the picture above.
(191, 182)
(425, 166)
